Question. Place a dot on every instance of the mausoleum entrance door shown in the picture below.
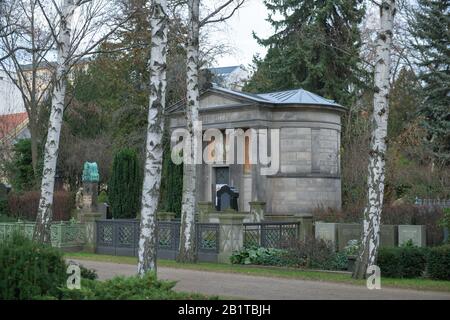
(222, 177)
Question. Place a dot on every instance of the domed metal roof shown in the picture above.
(297, 96)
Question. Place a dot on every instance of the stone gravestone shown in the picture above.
(227, 198)
(326, 231)
(415, 233)
(90, 186)
(388, 235)
(347, 232)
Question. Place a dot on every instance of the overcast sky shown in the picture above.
(237, 33)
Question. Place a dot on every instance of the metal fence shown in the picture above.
(270, 234)
(63, 234)
(121, 237)
(207, 241)
(443, 203)
(117, 237)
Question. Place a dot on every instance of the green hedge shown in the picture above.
(129, 288)
(402, 262)
(29, 270)
(439, 263)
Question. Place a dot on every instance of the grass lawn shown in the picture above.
(291, 273)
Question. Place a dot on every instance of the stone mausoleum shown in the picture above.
(309, 149)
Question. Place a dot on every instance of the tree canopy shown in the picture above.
(315, 47)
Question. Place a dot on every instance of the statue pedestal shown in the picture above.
(90, 194)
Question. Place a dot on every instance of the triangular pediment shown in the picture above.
(219, 99)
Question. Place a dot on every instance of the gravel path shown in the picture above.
(265, 288)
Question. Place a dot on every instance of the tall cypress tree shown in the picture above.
(315, 46)
(124, 189)
(172, 179)
(431, 31)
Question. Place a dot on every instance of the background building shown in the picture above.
(233, 77)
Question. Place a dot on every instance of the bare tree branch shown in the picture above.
(209, 19)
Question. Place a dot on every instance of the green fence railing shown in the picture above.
(63, 234)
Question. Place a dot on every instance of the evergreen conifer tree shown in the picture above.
(315, 47)
(124, 189)
(430, 28)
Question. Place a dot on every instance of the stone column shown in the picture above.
(204, 209)
(231, 235)
(306, 227)
(165, 216)
(90, 230)
(257, 210)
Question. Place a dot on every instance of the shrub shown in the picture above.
(102, 197)
(445, 220)
(125, 185)
(310, 253)
(338, 261)
(89, 274)
(350, 215)
(402, 262)
(128, 288)
(4, 207)
(29, 270)
(25, 205)
(255, 255)
(19, 168)
(439, 262)
(430, 216)
(352, 248)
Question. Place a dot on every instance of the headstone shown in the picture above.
(388, 235)
(347, 232)
(326, 231)
(415, 233)
(227, 198)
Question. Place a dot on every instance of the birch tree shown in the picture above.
(72, 43)
(378, 144)
(44, 216)
(154, 149)
(220, 13)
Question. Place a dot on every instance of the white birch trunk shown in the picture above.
(187, 230)
(154, 149)
(42, 232)
(376, 169)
